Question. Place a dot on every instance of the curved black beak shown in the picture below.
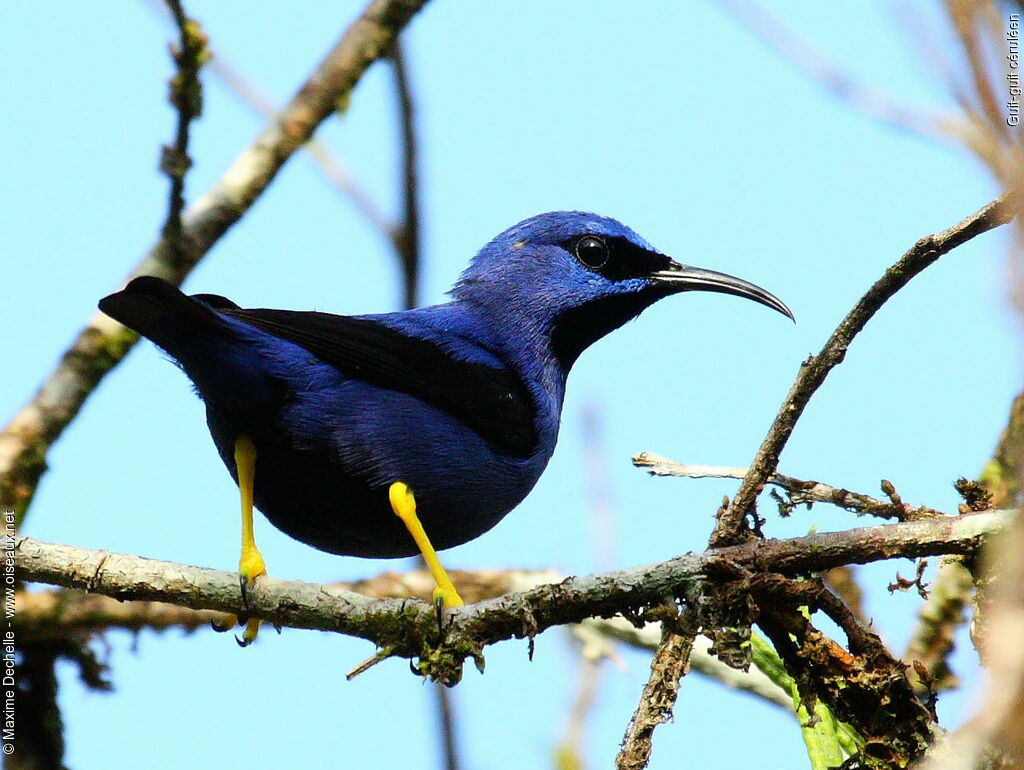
(679, 278)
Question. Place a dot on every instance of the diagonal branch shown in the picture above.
(731, 524)
(669, 665)
(409, 627)
(102, 344)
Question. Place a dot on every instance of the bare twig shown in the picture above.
(406, 235)
(103, 343)
(800, 492)
(332, 168)
(730, 526)
(411, 626)
(659, 696)
(186, 95)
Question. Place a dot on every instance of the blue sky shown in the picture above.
(665, 115)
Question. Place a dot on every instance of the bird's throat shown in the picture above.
(576, 329)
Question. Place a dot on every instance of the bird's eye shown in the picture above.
(592, 251)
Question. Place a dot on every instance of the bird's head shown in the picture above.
(576, 276)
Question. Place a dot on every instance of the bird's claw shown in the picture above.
(445, 599)
(252, 629)
(224, 623)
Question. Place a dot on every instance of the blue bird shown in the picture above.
(390, 434)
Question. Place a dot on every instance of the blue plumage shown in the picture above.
(459, 401)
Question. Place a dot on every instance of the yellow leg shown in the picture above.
(250, 565)
(404, 506)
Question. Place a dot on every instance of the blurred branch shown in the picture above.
(934, 634)
(570, 751)
(993, 738)
(800, 492)
(594, 647)
(730, 526)
(406, 236)
(103, 343)
(1003, 475)
(668, 666)
(842, 581)
(409, 627)
(752, 681)
(933, 637)
(820, 69)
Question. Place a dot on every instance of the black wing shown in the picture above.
(493, 402)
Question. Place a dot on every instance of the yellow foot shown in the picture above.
(252, 629)
(404, 505)
(224, 623)
(229, 620)
(250, 565)
(447, 597)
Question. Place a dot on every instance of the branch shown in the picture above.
(186, 94)
(730, 526)
(754, 680)
(668, 666)
(800, 492)
(329, 165)
(54, 615)
(103, 343)
(409, 627)
(406, 235)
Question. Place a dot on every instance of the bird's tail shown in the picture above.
(171, 319)
(225, 368)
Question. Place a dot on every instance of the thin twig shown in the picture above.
(332, 168)
(103, 343)
(411, 626)
(659, 696)
(800, 492)
(186, 95)
(407, 234)
(731, 524)
(405, 237)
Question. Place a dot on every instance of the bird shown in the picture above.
(392, 434)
